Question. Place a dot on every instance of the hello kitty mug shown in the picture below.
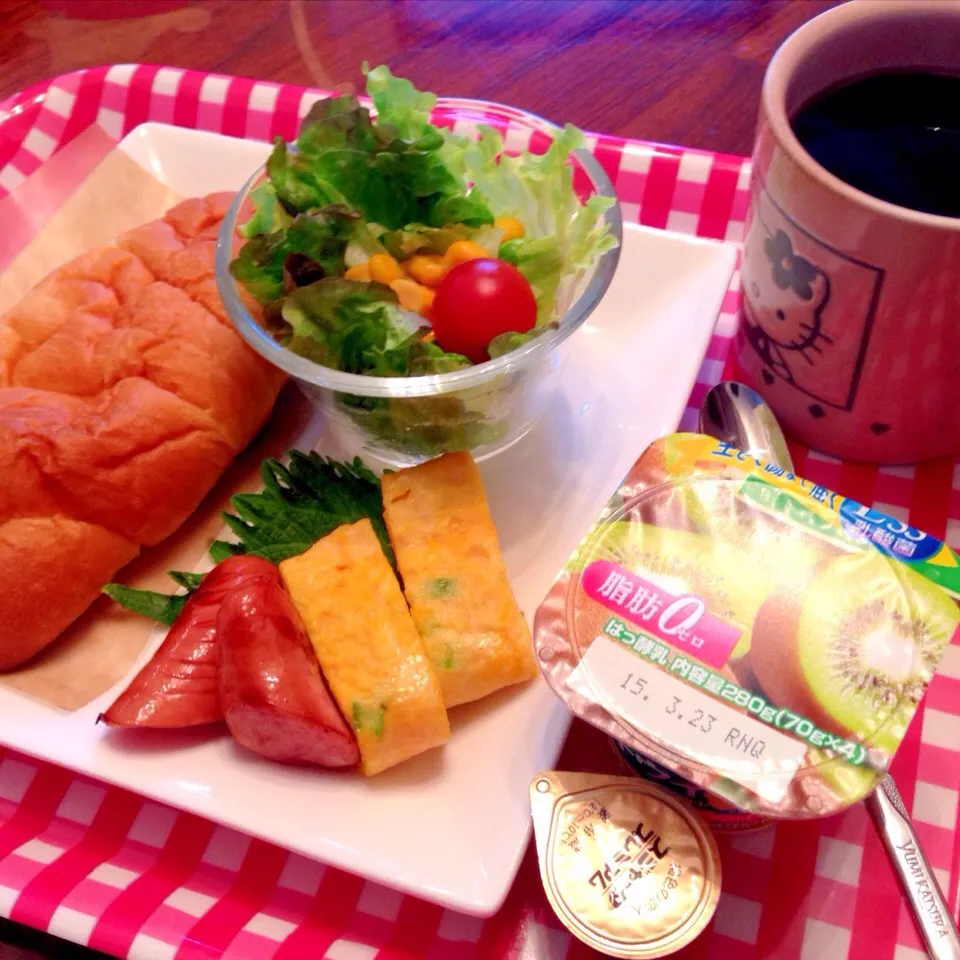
(850, 324)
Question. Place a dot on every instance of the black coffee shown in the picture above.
(893, 135)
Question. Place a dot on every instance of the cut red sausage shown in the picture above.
(178, 687)
(274, 697)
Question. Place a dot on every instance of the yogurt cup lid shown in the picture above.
(627, 868)
(734, 624)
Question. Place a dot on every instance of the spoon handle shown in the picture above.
(930, 910)
(738, 415)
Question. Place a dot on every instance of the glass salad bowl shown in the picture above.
(484, 408)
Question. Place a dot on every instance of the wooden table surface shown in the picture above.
(675, 71)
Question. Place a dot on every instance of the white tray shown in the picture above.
(451, 826)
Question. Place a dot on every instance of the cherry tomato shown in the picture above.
(476, 301)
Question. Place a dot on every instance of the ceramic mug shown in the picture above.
(850, 324)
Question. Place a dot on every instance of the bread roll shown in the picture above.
(57, 565)
(124, 394)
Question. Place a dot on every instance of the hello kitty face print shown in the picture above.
(791, 315)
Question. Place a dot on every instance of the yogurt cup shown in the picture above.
(761, 639)
(720, 816)
(628, 869)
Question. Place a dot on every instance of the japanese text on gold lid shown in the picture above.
(761, 637)
(627, 868)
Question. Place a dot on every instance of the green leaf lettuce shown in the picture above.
(563, 236)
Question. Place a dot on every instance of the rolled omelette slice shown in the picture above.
(455, 580)
(368, 647)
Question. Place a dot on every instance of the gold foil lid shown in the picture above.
(628, 869)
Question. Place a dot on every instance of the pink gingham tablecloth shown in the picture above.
(106, 868)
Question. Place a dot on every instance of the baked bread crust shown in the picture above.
(124, 394)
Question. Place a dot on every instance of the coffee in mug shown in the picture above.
(850, 325)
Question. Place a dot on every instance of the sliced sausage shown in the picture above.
(178, 687)
(274, 698)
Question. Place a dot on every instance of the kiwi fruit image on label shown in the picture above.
(777, 554)
(854, 650)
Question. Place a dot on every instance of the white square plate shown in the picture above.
(450, 826)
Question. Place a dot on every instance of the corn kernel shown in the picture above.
(428, 297)
(460, 251)
(426, 268)
(510, 227)
(412, 295)
(384, 269)
(360, 272)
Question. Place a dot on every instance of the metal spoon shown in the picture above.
(738, 415)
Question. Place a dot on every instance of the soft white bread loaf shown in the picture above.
(124, 394)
